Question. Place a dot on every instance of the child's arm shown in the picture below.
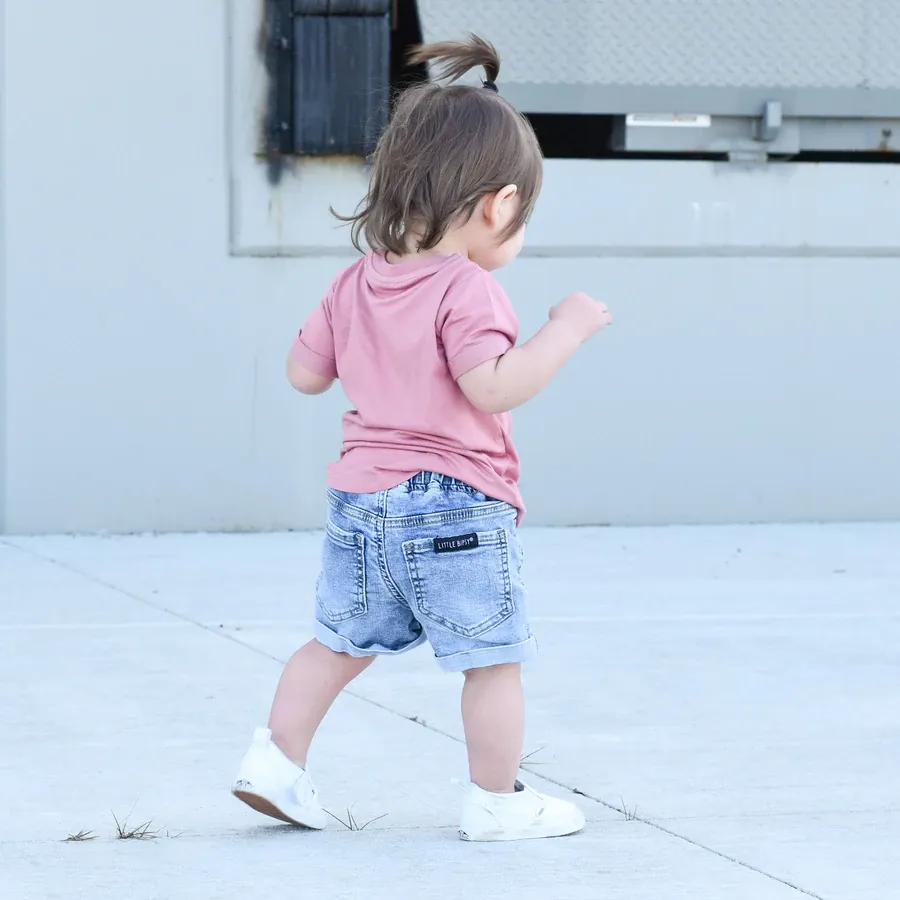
(311, 365)
(305, 380)
(510, 380)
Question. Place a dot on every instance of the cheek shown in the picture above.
(514, 244)
(504, 253)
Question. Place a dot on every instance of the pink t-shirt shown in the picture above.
(398, 337)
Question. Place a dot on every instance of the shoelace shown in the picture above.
(304, 789)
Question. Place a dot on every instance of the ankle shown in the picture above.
(297, 755)
(493, 787)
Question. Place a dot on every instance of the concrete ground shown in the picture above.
(725, 702)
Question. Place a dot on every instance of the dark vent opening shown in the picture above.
(565, 136)
(406, 33)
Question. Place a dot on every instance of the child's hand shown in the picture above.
(582, 313)
(504, 383)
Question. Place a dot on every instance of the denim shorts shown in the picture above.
(431, 559)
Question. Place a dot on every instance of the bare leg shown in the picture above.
(310, 683)
(493, 710)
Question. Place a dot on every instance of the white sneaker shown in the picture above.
(274, 786)
(516, 817)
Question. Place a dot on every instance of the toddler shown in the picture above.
(423, 505)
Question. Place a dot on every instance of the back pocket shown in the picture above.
(464, 590)
(341, 590)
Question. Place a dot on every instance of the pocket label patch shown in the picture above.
(455, 544)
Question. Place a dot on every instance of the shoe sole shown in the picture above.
(498, 836)
(267, 808)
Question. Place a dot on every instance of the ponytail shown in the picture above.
(455, 58)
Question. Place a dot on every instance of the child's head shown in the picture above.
(457, 166)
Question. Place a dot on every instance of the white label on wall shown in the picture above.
(668, 120)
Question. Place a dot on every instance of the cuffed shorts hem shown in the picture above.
(333, 641)
(489, 656)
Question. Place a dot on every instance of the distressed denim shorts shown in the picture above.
(431, 559)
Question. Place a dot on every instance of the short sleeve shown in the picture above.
(477, 323)
(314, 345)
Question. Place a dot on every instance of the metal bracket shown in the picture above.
(768, 125)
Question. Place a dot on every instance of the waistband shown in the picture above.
(389, 508)
(424, 481)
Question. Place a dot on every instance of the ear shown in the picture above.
(496, 207)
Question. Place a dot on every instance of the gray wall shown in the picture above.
(154, 279)
(3, 351)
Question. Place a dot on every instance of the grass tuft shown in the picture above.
(78, 836)
(529, 758)
(630, 814)
(352, 823)
(142, 832)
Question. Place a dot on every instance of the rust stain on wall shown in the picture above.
(274, 47)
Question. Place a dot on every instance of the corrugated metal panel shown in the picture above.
(813, 51)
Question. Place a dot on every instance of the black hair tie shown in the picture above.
(490, 86)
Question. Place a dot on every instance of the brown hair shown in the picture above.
(444, 149)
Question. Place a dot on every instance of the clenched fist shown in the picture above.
(585, 315)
